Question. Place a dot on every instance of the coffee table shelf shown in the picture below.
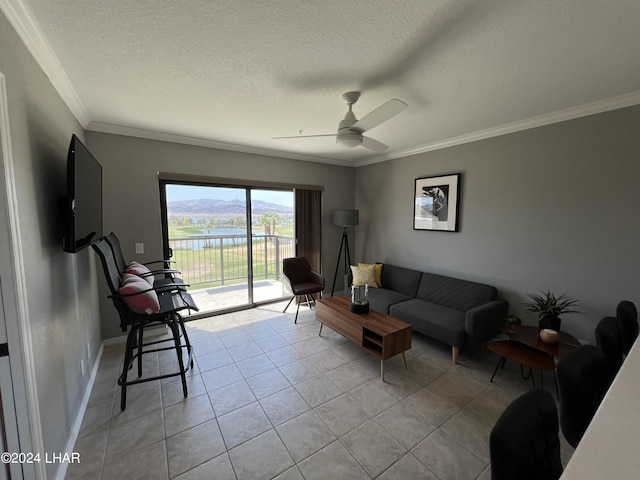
(378, 333)
(372, 339)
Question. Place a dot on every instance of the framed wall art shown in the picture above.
(436, 202)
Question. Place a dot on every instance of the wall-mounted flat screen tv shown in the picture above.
(82, 207)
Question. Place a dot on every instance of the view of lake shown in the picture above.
(214, 238)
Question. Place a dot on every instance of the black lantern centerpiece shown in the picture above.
(359, 302)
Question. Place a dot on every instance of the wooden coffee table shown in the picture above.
(376, 332)
(525, 348)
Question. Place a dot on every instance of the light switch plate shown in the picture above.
(139, 248)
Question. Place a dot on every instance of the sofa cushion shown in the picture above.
(454, 293)
(363, 275)
(377, 272)
(382, 298)
(442, 323)
(400, 279)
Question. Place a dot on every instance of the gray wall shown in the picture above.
(553, 208)
(130, 169)
(62, 288)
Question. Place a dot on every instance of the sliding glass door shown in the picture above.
(272, 239)
(228, 241)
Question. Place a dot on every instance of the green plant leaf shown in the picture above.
(547, 304)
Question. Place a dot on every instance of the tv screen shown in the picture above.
(83, 204)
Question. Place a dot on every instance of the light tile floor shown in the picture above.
(271, 399)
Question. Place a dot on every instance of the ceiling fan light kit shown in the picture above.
(349, 140)
(350, 129)
(347, 137)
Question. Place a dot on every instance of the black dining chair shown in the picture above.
(609, 339)
(524, 443)
(583, 379)
(302, 281)
(628, 315)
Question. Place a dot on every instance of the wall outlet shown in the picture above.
(139, 248)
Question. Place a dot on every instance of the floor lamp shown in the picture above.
(344, 219)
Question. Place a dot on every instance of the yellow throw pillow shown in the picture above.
(363, 276)
(377, 272)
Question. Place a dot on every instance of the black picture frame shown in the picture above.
(436, 203)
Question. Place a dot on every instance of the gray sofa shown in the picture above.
(460, 313)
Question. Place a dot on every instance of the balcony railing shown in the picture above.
(215, 260)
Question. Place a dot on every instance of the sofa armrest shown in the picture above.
(483, 323)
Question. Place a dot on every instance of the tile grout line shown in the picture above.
(305, 354)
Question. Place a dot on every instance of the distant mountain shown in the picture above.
(209, 206)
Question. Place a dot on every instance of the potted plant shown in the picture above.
(549, 308)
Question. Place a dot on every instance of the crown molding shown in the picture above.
(200, 142)
(593, 108)
(28, 30)
(622, 101)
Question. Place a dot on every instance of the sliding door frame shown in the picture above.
(166, 178)
(247, 210)
(168, 253)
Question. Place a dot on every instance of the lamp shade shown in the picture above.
(344, 218)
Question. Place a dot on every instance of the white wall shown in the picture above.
(130, 169)
(553, 208)
(62, 299)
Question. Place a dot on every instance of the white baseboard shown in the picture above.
(73, 437)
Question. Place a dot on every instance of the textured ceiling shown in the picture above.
(236, 73)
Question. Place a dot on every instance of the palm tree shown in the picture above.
(269, 220)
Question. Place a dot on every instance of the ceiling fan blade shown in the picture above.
(373, 145)
(305, 136)
(379, 115)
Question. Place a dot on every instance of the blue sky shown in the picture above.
(191, 192)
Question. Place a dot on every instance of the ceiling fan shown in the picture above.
(350, 129)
